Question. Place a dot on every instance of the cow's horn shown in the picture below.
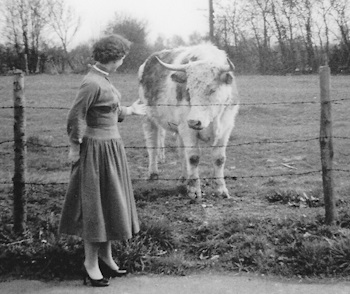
(178, 67)
(231, 66)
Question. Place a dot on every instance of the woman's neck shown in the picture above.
(102, 67)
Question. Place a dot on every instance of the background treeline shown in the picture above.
(260, 36)
(285, 36)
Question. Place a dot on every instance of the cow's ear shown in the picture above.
(226, 78)
(179, 77)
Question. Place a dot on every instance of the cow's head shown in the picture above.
(209, 88)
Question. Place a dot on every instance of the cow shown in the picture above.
(190, 91)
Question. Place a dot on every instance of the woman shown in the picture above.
(99, 204)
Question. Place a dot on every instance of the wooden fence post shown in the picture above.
(326, 146)
(20, 148)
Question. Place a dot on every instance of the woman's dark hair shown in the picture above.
(110, 48)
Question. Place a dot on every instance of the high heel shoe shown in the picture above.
(110, 273)
(94, 283)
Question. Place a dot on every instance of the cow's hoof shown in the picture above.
(195, 199)
(226, 195)
(194, 195)
(153, 177)
(223, 193)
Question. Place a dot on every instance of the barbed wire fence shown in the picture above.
(19, 181)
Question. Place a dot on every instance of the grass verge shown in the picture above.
(301, 246)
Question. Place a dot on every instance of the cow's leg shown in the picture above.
(161, 144)
(219, 159)
(151, 130)
(191, 157)
(181, 153)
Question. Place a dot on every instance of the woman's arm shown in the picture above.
(137, 108)
(76, 122)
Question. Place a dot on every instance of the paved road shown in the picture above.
(192, 284)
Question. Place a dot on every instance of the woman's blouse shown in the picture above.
(96, 108)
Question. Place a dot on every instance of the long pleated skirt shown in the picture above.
(99, 204)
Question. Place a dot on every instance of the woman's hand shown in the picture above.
(138, 108)
(74, 153)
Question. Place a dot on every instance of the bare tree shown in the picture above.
(324, 8)
(287, 34)
(283, 31)
(228, 22)
(13, 29)
(288, 10)
(304, 15)
(258, 12)
(341, 14)
(280, 31)
(65, 24)
(211, 21)
(25, 20)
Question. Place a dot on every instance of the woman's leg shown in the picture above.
(106, 255)
(91, 260)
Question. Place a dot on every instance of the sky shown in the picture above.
(164, 17)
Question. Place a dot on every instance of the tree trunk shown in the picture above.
(280, 38)
(309, 46)
(211, 21)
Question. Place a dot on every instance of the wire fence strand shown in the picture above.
(189, 147)
(290, 174)
(335, 101)
(199, 105)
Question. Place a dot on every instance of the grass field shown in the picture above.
(273, 224)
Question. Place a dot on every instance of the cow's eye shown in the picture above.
(226, 78)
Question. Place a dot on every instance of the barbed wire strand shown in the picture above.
(201, 178)
(214, 104)
(205, 146)
(229, 145)
(7, 141)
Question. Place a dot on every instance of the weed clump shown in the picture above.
(42, 254)
(294, 198)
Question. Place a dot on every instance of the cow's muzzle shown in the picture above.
(195, 124)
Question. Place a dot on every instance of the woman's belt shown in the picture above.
(108, 132)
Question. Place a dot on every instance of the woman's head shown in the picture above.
(110, 48)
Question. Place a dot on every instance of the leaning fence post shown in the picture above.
(20, 148)
(326, 146)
